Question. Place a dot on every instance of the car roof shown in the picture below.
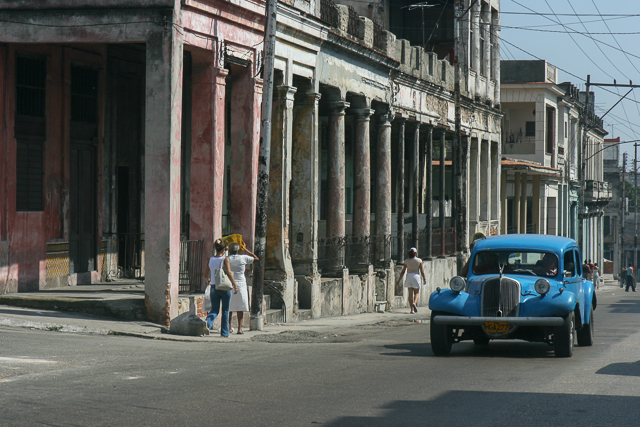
(541, 242)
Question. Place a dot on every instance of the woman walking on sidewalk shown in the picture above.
(414, 269)
(215, 262)
(240, 300)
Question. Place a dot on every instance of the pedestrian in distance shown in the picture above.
(586, 271)
(219, 260)
(413, 267)
(239, 301)
(631, 283)
(596, 275)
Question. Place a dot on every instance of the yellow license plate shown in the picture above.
(496, 327)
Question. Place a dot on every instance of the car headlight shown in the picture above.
(542, 286)
(457, 284)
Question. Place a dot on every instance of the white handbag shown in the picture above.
(223, 283)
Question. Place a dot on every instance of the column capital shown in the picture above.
(363, 114)
(386, 117)
(220, 75)
(338, 107)
(308, 98)
(284, 92)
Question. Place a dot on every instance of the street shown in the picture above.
(383, 374)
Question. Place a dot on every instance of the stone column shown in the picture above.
(400, 189)
(383, 193)
(218, 163)
(443, 175)
(523, 203)
(362, 185)
(415, 178)
(429, 197)
(485, 181)
(245, 142)
(517, 187)
(535, 205)
(163, 116)
(503, 202)
(278, 260)
(474, 182)
(336, 184)
(202, 155)
(305, 174)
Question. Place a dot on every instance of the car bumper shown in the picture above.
(513, 321)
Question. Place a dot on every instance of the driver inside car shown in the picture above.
(547, 266)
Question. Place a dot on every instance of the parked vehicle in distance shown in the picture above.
(518, 286)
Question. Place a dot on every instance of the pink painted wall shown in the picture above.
(27, 233)
(241, 30)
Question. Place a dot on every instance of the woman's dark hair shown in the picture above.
(219, 245)
(412, 253)
(234, 248)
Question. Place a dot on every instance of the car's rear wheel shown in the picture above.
(585, 335)
(563, 337)
(441, 339)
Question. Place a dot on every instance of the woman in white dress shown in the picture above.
(240, 300)
(414, 269)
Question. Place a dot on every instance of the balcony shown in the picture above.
(597, 193)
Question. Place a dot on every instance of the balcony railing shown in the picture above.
(597, 192)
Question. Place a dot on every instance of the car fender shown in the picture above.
(452, 302)
(589, 301)
(556, 304)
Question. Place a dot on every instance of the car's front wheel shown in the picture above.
(585, 335)
(563, 337)
(441, 339)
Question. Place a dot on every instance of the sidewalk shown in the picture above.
(61, 321)
(117, 308)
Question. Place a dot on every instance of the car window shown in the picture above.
(578, 263)
(569, 264)
(522, 262)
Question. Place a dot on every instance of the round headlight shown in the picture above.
(542, 286)
(457, 284)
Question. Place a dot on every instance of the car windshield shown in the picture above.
(533, 263)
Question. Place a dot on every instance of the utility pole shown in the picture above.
(582, 210)
(622, 216)
(583, 170)
(257, 290)
(635, 210)
(462, 240)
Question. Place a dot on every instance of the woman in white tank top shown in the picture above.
(414, 269)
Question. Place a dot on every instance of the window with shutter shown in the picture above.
(30, 131)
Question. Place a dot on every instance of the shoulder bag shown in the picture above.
(223, 283)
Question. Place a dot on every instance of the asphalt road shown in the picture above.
(377, 375)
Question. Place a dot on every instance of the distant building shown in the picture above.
(543, 150)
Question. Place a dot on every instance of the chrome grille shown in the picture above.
(501, 298)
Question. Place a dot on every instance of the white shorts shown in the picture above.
(413, 281)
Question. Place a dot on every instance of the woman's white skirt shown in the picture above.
(413, 281)
(240, 301)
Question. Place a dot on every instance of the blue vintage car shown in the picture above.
(527, 287)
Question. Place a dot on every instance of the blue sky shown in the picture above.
(571, 48)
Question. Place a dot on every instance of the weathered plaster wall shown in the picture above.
(349, 74)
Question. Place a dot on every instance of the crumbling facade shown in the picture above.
(366, 160)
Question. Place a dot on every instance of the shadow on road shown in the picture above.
(478, 408)
(626, 369)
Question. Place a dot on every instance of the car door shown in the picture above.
(573, 279)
